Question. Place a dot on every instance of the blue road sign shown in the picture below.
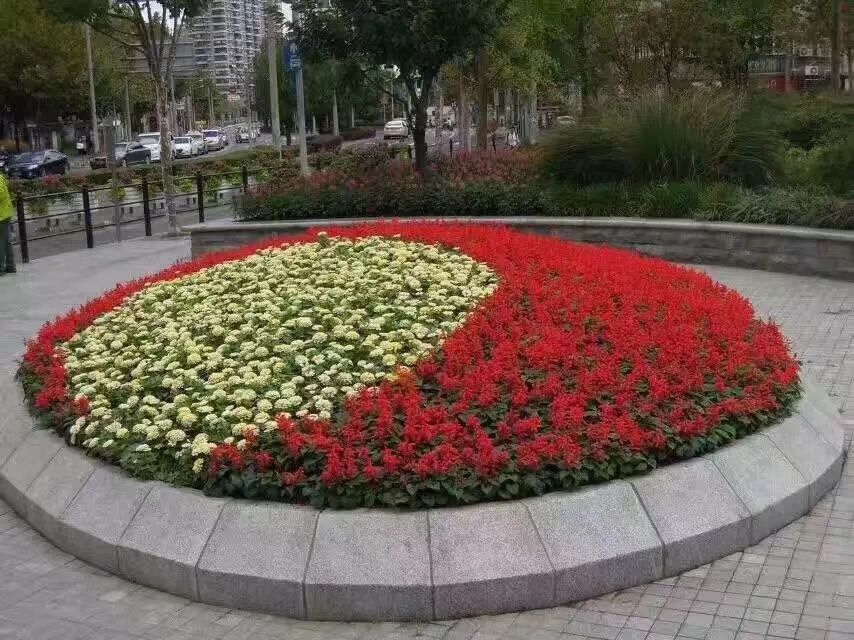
(293, 59)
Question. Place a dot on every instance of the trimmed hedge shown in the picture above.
(811, 207)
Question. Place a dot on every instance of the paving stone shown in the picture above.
(765, 481)
(696, 513)
(820, 414)
(15, 421)
(99, 514)
(165, 539)
(815, 459)
(256, 557)
(488, 558)
(54, 489)
(589, 554)
(816, 314)
(24, 465)
(368, 565)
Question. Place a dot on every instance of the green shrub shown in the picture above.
(396, 200)
(668, 200)
(587, 154)
(812, 121)
(833, 166)
(695, 137)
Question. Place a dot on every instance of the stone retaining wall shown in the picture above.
(798, 250)
(378, 564)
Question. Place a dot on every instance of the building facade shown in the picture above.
(226, 38)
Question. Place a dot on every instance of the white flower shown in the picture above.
(293, 329)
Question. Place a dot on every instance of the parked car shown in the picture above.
(214, 139)
(185, 147)
(4, 160)
(35, 164)
(199, 138)
(151, 141)
(565, 121)
(396, 129)
(243, 135)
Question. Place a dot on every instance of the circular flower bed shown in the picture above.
(409, 365)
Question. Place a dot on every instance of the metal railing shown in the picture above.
(86, 213)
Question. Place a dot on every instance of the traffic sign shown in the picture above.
(293, 59)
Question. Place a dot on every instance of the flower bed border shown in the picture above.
(788, 249)
(442, 563)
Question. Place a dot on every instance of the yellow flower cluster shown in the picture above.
(215, 356)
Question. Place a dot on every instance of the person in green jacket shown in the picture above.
(7, 212)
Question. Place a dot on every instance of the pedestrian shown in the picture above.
(7, 211)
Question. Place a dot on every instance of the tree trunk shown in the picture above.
(463, 124)
(419, 134)
(482, 99)
(532, 113)
(335, 130)
(835, 46)
(352, 116)
(850, 87)
(166, 155)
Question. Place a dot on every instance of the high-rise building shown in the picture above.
(226, 38)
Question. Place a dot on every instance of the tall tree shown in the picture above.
(153, 29)
(42, 67)
(417, 37)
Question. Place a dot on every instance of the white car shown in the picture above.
(199, 138)
(396, 129)
(185, 147)
(214, 138)
(151, 141)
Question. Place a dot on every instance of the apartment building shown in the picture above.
(226, 38)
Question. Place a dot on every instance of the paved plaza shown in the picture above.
(798, 583)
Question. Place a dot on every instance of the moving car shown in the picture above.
(35, 164)
(4, 160)
(127, 153)
(151, 141)
(185, 147)
(396, 129)
(199, 139)
(243, 135)
(214, 139)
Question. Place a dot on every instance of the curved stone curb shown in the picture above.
(442, 563)
(800, 250)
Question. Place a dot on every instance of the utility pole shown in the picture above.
(96, 142)
(210, 107)
(273, 72)
(128, 116)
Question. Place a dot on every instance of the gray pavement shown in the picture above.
(797, 583)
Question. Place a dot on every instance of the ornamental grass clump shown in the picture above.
(696, 136)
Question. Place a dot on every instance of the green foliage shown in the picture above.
(697, 136)
(832, 164)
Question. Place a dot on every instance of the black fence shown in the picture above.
(56, 219)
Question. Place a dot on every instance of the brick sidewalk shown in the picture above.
(798, 583)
